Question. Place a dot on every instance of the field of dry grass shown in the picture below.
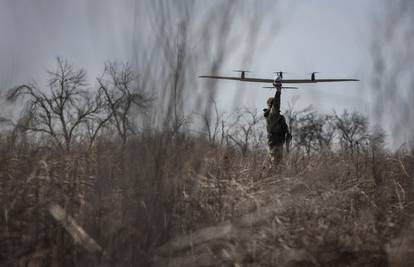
(175, 200)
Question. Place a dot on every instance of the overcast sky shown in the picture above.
(332, 37)
(327, 36)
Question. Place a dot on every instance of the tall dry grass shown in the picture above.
(327, 209)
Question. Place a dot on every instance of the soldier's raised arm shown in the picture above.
(275, 109)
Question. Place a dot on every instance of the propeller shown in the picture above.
(280, 73)
(243, 73)
(283, 87)
(312, 74)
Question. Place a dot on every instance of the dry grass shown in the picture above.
(330, 209)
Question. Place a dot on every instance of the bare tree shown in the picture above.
(59, 111)
(352, 128)
(245, 130)
(301, 126)
(214, 124)
(314, 132)
(121, 92)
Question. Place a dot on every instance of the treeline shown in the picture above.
(69, 112)
(312, 131)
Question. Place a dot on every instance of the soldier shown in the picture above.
(277, 130)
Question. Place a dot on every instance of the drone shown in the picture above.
(278, 80)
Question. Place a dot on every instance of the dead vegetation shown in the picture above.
(168, 198)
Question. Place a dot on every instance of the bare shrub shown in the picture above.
(315, 132)
(245, 130)
(353, 129)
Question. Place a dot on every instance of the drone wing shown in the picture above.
(318, 80)
(335, 80)
(259, 80)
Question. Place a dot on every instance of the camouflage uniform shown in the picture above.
(277, 129)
